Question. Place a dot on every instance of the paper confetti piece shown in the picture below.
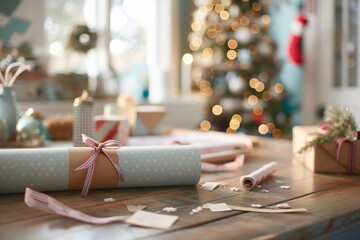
(265, 191)
(255, 205)
(283, 206)
(152, 220)
(169, 209)
(279, 181)
(263, 210)
(109, 199)
(134, 208)
(209, 186)
(219, 207)
(196, 210)
(285, 187)
(234, 189)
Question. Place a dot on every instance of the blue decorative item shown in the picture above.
(31, 125)
(9, 109)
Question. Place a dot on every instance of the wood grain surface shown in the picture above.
(333, 203)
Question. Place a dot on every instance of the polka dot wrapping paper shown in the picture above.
(50, 169)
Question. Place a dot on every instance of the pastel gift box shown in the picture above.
(147, 120)
(111, 127)
(52, 169)
(322, 159)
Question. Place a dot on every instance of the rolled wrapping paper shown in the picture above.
(249, 181)
(52, 169)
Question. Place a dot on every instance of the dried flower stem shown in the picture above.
(9, 79)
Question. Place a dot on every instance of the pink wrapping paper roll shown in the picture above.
(249, 181)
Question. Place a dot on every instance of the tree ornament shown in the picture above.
(294, 49)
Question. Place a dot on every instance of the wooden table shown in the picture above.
(333, 203)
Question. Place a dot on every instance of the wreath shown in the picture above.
(82, 39)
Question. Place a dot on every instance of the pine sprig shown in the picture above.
(342, 125)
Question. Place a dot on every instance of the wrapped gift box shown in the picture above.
(322, 159)
(146, 120)
(52, 169)
(111, 127)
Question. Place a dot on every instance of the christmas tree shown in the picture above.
(235, 67)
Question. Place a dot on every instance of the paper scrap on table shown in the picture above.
(134, 208)
(226, 167)
(48, 204)
(196, 210)
(283, 206)
(169, 209)
(152, 220)
(109, 199)
(285, 187)
(249, 181)
(263, 210)
(218, 207)
(234, 189)
(209, 186)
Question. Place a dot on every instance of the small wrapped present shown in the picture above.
(102, 165)
(337, 156)
(146, 120)
(111, 127)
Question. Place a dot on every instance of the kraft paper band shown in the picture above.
(105, 175)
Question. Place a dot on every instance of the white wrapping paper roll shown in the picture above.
(249, 181)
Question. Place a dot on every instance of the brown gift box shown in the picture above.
(322, 159)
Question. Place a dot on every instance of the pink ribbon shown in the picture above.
(96, 148)
(352, 148)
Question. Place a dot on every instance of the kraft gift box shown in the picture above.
(52, 169)
(322, 159)
(146, 120)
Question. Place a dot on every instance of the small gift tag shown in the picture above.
(209, 186)
(219, 207)
(152, 220)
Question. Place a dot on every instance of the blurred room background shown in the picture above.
(215, 64)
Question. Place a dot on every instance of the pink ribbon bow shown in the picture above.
(96, 148)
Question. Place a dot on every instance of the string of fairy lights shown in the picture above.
(230, 40)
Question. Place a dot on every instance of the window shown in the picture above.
(346, 43)
(118, 62)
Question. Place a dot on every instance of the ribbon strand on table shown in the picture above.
(43, 202)
(96, 149)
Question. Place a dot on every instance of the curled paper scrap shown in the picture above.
(48, 204)
(249, 181)
(227, 167)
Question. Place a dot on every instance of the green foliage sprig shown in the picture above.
(342, 124)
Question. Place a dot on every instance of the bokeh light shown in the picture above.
(217, 110)
(263, 129)
(205, 125)
(188, 58)
(278, 88)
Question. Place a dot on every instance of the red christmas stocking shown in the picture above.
(294, 47)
